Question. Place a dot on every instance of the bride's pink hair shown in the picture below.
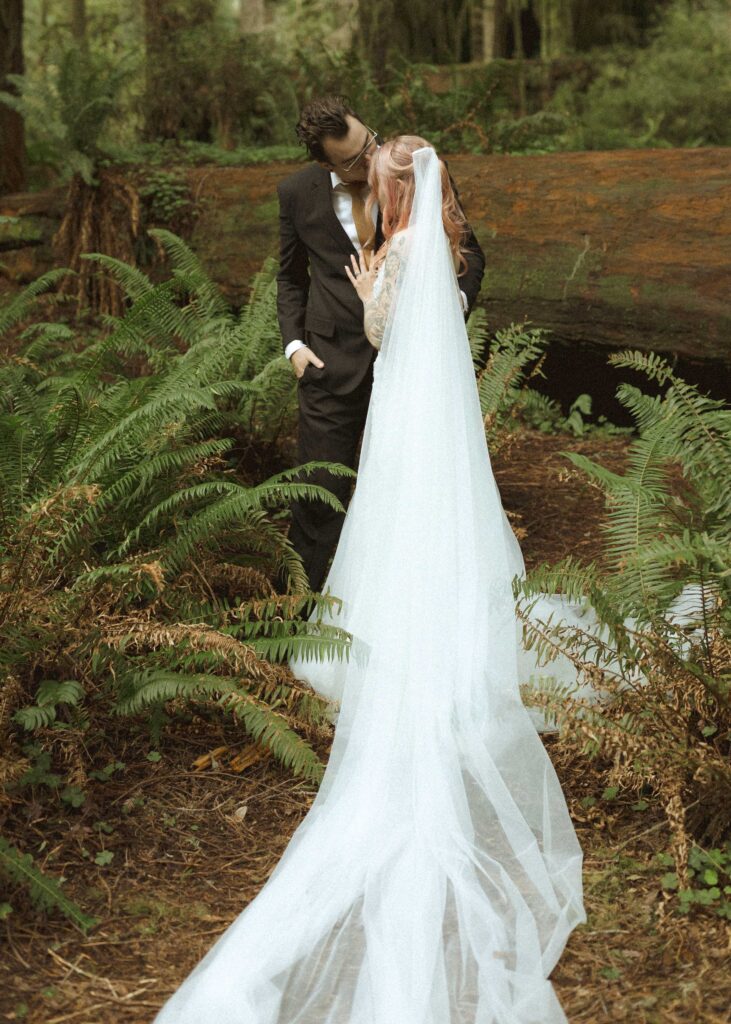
(392, 182)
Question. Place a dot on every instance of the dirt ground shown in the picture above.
(191, 847)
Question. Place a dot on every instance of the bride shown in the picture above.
(437, 875)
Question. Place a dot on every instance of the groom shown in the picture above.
(323, 221)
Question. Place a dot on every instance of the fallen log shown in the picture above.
(629, 248)
(624, 248)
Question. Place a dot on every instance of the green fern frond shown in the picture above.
(187, 267)
(654, 366)
(272, 731)
(44, 337)
(264, 725)
(477, 334)
(44, 890)
(133, 281)
(327, 643)
(21, 304)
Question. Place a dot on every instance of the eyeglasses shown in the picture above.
(372, 136)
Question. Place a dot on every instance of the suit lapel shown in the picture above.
(322, 190)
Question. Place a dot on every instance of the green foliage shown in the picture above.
(507, 401)
(261, 720)
(457, 109)
(661, 595)
(186, 152)
(136, 552)
(709, 876)
(18, 308)
(48, 695)
(676, 92)
(67, 111)
(167, 199)
(196, 86)
(514, 358)
(44, 890)
(207, 80)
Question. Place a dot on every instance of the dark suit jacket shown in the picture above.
(315, 300)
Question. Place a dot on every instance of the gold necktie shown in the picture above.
(363, 225)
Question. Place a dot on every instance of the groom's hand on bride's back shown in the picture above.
(301, 358)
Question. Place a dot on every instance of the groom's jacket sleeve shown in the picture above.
(293, 278)
(471, 281)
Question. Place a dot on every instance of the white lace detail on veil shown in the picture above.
(437, 876)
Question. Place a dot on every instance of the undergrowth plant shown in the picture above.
(506, 364)
(661, 658)
(136, 548)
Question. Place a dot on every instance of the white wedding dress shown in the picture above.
(437, 875)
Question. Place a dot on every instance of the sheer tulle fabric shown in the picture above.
(437, 876)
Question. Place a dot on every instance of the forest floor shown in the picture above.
(192, 846)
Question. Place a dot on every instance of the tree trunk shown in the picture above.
(172, 100)
(13, 167)
(619, 249)
(488, 30)
(78, 22)
(251, 16)
(627, 248)
(375, 24)
(554, 17)
(519, 55)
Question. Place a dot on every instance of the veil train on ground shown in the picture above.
(437, 875)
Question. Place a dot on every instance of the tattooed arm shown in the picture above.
(377, 306)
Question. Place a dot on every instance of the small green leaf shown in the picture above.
(610, 792)
(154, 755)
(706, 896)
(670, 880)
(611, 973)
(73, 795)
(104, 857)
(710, 877)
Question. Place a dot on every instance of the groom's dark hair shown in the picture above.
(325, 115)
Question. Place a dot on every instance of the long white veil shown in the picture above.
(437, 876)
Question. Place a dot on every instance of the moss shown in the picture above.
(616, 289)
(19, 231)
(267, 211)
(571, 273)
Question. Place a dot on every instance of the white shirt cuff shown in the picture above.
(293, 346)
(465, 303)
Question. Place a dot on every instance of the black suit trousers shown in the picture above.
(330, 427)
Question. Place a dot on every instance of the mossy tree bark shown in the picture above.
(627, 248)
(515, 11)
(13, 167)
(488, 30)
(78, 23)
(421, 30)
(554, 18)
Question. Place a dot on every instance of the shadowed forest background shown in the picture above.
(156, 753)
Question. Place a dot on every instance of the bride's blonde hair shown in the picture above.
(392, 182)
